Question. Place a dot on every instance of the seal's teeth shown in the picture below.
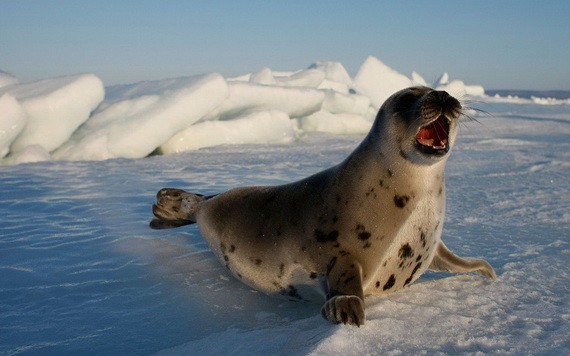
(425, 141)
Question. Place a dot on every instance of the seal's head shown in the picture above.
(419, 124)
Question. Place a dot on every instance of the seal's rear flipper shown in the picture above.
(174, 208)
(158, 224)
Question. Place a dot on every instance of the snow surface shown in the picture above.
(83, 274)
(76, 118)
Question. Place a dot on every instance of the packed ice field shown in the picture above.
(77, 118)
(82, 273)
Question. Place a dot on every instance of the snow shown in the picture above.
(76, 118)
(82, 273)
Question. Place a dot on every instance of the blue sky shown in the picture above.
(500, 44)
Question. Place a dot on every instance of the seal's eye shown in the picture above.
(406, 102)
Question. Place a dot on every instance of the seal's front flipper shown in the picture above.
(346, 309)
(345, 297)
(445, 260)
(174, 208)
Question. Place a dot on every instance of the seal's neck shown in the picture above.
(371, 160)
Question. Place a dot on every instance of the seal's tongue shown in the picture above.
(434, 135)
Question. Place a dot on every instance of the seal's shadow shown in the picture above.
(214, 296)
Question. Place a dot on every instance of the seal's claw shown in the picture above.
(346, 309)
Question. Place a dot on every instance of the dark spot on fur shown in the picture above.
(258, 262)
(313, 275)
(384, 264)
(336, 244)
(343, 253)
(223, 247)
(440, 191)
(303, 248)
(348, 279)
(281, 270)
(401, 200)
(381, 182)
(406, 251)
(423, 238)
(323, 237)
(232, 249)
(377, 284)
(390, 283)
(365, 235)
(367, 245)
(330, 265)
(419, 258)
(390, 173)
(412, 275)
(239, 276)
(226, 258)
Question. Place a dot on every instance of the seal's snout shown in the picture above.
(441, 101)
(440, 110)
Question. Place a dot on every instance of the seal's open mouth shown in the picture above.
(433, 138)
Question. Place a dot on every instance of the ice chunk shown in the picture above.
(337, 103)
(264, 76)
(247, 97)
(12, 121)
(442, 80)
(418, 79)
(475, 90)
(55, 108)
(334, 71)
(144, 116)
(340, 124)
(378, 81)
(258, 127)
(336, 77)
(310, 78)
(7, 79)
(30, 154)
(456, 88)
